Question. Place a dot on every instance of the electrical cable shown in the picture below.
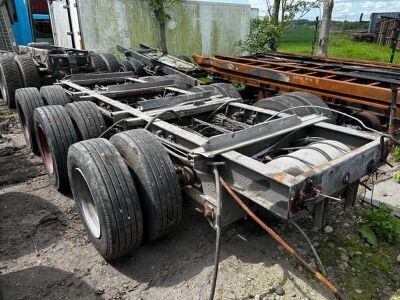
(218, 231)
(111, 127)
(310, 244)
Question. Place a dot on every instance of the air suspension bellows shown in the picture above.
(308, 157)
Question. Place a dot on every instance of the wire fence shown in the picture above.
(349, 38)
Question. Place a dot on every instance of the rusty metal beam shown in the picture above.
(333, 86)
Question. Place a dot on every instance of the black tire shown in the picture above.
(126, 66)
(105, 194)
(185, 58)
(87, 119)
(54, 95)
(10, 80)
(39, 45)
(227, 90)
(111, 62)
(28, 71)
(55, 133)
(155, 178)
(272, 105)
(179, 81)
(27, 99)
(368, 118)
(311, 99)
(137, 67)
(97, 62)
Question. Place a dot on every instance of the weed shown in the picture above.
(396, 154)
(396, 177)
(380, 223)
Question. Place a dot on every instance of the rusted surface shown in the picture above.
(333, 86)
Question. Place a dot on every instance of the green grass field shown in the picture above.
(299, 40)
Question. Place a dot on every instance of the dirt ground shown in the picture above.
(45, 254)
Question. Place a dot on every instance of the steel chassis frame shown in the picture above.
(154, 66)
(195, 155)
(57, 62)
(346, 83)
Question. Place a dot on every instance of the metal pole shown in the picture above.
(315, 36)
(395, 40)
(71, 33)
(393, 108)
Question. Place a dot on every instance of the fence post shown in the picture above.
(315, 35)
(395, 40)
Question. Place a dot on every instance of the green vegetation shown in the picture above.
(380, 223)
(396, 177)
(396, 154)
(8, 112)
(367, 268)
(263, 36)
(299, 40)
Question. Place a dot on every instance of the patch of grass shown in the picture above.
(396, 177)
(299, 40)
(369, 268)
(8, 112)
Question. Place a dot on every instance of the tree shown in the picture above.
(325, 28)
(287, 10)
(159, 8)
(275, 12)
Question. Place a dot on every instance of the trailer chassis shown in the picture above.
(235, 151)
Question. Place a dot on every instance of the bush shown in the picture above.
(380, 223)
(263, 37)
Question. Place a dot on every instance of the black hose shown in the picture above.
(218, 231)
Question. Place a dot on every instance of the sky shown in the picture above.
(343, 9)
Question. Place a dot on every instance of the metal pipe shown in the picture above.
(281, 241)
(393, 108)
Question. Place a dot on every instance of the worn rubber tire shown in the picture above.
(28, 71)
(227, 90)
(27, 99)
(39, 45)
(185, 58)
(155, 178)
(97, 62)
(137, 67)
(205, 88)
(111, 62)
(126, 66)
(272, 105)
(55, 133)
(54, 95)
(311, 99)
(87, 119)
(179, 81)
(369, 119)
(10, 80)
(98, 172)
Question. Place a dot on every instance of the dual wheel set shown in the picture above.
(126, 189)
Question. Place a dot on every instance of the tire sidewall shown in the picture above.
(99, 243)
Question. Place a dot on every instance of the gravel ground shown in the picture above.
(45, 254)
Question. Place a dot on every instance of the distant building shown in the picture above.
(375, 17)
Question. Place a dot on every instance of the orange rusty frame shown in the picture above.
(283, 77)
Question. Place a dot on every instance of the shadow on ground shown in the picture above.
(28, 224)
(44, 283)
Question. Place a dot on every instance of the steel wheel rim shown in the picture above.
(86, 202)
(46, 154)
